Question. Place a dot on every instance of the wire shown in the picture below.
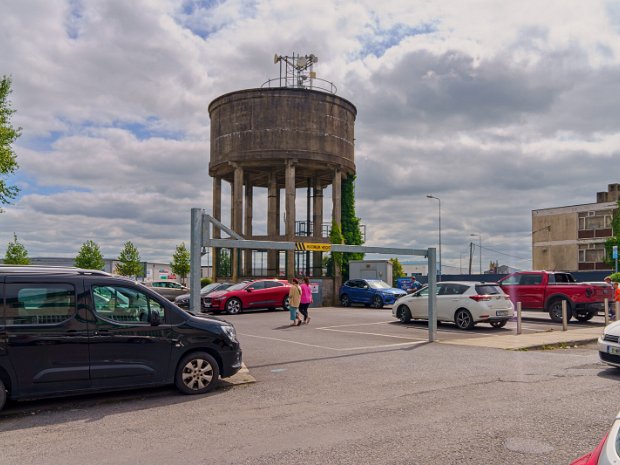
(502, 253)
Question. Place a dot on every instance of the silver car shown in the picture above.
(168, 289)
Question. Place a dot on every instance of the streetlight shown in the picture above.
(439, 200)
(479, 247)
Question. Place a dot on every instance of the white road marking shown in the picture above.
(358, 324)
(334, 348)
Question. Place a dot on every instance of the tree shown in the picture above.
(351, 231)
(614, 240)
(89, 257)
(334, 262)
(8, 135)
(180, 261)
(130, 264)
(16, 253)
(223, 263)
(397, 270)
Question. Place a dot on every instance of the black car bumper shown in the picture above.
(231, 362)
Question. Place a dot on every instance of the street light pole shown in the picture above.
(439, 200)
(480, 248)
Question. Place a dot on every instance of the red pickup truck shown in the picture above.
(545, 290)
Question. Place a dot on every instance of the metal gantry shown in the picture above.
(201, 239)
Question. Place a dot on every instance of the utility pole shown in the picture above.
(471, 250)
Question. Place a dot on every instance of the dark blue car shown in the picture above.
(370, 292)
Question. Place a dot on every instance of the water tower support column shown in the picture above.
(273, 223)
(247, 226)
(289, 183)
(317, 226)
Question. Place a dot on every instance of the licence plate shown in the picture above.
(613, 350)
(502, 313)
(207, 304)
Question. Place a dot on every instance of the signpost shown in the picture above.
(201, 239)
(614, 255)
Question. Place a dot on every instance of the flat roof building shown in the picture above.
(573, 238)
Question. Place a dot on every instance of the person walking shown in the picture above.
(294, 298)
(306, 299)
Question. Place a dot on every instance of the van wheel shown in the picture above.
(555, 310)
(233, 306)
(197, 373)
(2, 394)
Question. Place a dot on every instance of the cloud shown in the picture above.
(497, 111)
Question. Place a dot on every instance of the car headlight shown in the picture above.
(230, 332)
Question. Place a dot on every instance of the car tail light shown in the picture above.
(480, 298)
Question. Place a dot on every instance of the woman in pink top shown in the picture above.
(306, 299)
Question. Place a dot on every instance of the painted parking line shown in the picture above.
(338, 349)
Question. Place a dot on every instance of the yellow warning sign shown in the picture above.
(313, 246)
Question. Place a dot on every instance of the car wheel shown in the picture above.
(463, 319)
(499, 324)
(555, 310)
(233, 306)
(285, 303)
(404, 314)
(197, 373)
(585, 316)
(377, 302)
(3, 394)
(345, 301)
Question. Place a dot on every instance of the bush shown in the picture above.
(205, 281)
(615, 277)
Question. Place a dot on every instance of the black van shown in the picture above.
(66, 331)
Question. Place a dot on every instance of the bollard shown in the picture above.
(518, 317)
(564, 319)
(606, 312)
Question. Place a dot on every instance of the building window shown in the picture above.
(591, 253)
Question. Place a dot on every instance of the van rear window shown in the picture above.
(30, 304)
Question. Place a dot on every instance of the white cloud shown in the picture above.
(495, 109)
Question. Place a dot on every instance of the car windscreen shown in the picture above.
(237, 287)
(488, 289)
(379, 285)
(209, 287)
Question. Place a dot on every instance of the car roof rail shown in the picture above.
(49, 269)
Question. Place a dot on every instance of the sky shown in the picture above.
(496, 108)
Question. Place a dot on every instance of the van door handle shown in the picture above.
(102, 332)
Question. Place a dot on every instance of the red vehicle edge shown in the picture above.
(546, 290)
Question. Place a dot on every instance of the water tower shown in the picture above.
(293, 132)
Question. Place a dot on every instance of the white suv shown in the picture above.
(464, 303)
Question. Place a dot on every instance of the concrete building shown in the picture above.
(573, 238)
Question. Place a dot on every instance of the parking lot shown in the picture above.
(347, 329)
(353, 386)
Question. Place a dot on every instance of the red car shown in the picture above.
(261, 293)
(608, 450)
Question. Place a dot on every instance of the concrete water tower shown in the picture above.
(291, 133)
